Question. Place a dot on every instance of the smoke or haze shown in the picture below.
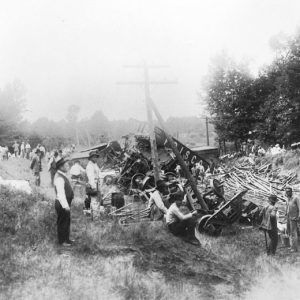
(73, 52)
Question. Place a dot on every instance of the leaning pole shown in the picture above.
(178, 156)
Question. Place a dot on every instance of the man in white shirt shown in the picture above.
(156, 197)
(77, 171)
(64, 197)
(92, 190)
(43, 151)
(177, 222)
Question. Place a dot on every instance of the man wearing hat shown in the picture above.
(36, 166)
(64, 197)
(269, 224)
(93, 174)
(293, 216)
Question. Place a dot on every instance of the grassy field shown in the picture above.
(142, 261)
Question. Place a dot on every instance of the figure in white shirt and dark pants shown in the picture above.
(177, 222)
(92, 190)
(64, 197)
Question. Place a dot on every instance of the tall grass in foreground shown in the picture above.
(32, 267)
(114, 262)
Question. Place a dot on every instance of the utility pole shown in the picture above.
(178, 156)
(147, 83)
(207, 133)
(153, 144)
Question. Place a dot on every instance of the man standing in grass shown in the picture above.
(16, 149)
(22, 150)
(27, 150)
(64, 197)
(52, 166)
(269, 224)
(93, 193)
(293, 216)
(36, 167)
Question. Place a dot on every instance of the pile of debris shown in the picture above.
(259, 179)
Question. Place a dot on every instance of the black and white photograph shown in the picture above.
(149, 149)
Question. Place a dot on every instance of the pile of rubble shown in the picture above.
(259, 179)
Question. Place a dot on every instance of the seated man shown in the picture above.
(177, 222)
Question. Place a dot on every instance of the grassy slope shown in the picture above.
(113, 262)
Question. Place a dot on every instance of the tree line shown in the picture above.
(71, 130)
(266, 107)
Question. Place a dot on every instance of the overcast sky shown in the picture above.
(73, 52)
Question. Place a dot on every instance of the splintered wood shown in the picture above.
(259, 180)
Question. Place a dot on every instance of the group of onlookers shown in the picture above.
(97, 196)
(253, 150)
(22, 150)
(269, 221)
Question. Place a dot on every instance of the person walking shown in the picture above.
(269, 224)
(293, 217)
(36, 167)
(63, 200)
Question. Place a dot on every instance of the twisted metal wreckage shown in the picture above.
(234, 194)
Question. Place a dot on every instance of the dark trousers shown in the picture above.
(52, 174)
(87, 202)
(37, 178)
(273, 235)
(183, 228)
(293, 233)
(63, 223)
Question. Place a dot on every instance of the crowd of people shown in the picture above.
(20, 150)
(253, 150)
